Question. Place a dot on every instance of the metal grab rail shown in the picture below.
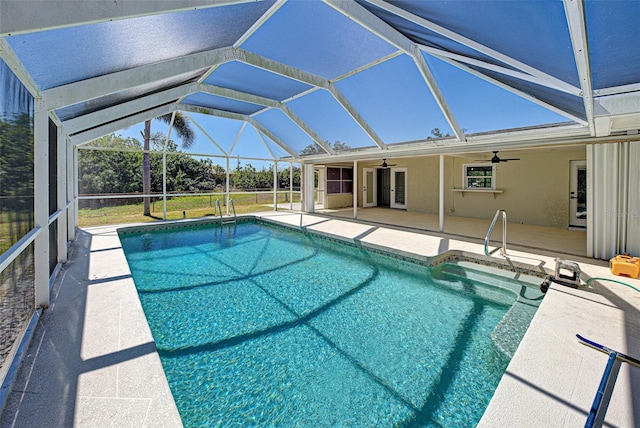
(503, 249)
(233, 207)
(220, 211)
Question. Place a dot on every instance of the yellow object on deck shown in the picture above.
(625, 266)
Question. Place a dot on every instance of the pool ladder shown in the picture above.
(503, 248)
(233, 207)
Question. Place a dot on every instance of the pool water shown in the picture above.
(259, 325)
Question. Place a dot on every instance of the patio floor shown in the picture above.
(524, 236)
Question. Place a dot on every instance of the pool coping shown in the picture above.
(551, 380)
(450, 255)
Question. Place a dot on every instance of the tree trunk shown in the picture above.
(146, 169)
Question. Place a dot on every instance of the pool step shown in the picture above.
(527, 287)
(509, 332)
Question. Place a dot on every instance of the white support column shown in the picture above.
(70, 191)
(355, 189)
(307, 191)
(41, 203)
(302, 184)
(164, 167)
(227, 186)
(76, 187)
(590, 201)
(441, 201)
(62, 196)
(164, 184)
(275, 185)
(291, 186)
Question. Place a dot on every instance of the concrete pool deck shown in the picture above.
(92, 360)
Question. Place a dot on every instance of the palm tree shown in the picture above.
(184, 130)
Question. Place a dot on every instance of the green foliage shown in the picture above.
(116, 142)
(314, 149)
(248, 178)
(119, 172)
(283, 178)
(182, 128)
(16, 178)
(102, 172)
(438, 134)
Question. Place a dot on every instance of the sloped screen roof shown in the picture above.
(366, 73)
(61, 56)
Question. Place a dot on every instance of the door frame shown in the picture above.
(320, 193)
(365, 189)
(574, 220)
(393, 202)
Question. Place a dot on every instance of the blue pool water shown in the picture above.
(258, 325)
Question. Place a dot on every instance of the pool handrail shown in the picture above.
(233, 220)
(503, 248)
(233, 207)
(219, 209)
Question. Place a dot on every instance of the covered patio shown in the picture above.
(542, 239)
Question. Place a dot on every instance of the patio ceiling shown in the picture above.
(378, 76)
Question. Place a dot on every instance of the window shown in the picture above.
(339, 180)
(479, 176)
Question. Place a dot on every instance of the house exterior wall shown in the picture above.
(422, 182)
(535, 188)
(338, 201)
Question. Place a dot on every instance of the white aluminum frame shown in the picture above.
(465, 176)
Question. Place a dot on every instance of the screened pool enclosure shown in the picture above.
(303, 90)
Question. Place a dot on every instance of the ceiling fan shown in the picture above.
(386, 165)
(496, 159)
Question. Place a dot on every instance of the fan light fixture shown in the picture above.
(385, 164)
(496, 159)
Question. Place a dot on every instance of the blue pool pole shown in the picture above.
(603, 396)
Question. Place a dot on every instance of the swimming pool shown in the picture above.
(259, 325)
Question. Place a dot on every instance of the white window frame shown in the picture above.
(465, 176)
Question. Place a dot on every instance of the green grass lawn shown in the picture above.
(191, 206)
(13, 228)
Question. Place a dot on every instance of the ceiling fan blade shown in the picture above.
(496, 159)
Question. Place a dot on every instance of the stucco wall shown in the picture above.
(339, 201)
(423, 177)
(535, 188)
(422, 182)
